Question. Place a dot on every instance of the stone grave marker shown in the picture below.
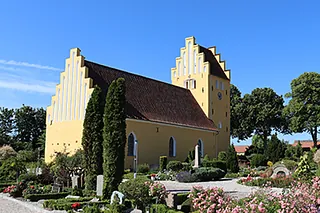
(280, 170)
(75, 181)
(99, 185)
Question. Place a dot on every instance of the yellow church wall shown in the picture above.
(153, 141)
(205, 92)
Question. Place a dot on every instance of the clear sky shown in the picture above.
(265, 43)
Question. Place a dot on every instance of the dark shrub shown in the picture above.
(222, 156)
(163, 163)
(185, 177)
(208, 174)
(77, 192)
(137, 190)
(174, 166)
(215, 164)
(181, 198)
(258, 160)
(36, 197)
(186, 205)
(186, 166)
(158, 208)
(28, 177)
(143, 168)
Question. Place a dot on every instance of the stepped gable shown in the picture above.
(215, 68)
(152, 100)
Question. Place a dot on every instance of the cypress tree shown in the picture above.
(92, 138)
(232, 159)
(114, 137)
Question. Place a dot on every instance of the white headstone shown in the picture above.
(196, 157)
(119, 194)
(74, 180)
(99, 185)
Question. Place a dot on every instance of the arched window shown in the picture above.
(131, 145)
(200, 148)
(172, 147)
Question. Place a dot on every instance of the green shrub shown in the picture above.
(137, 190)
(88, 193)
(222, 156)
(37, 197)
(181, 197)
(52, 202)
(28, 177)
(174, 166)
(258, 160)
(186, 166)
(158, 208)
(143, 168)
(163, 163)
(186, 205)
(91, 209)
(208, 174)
(77, 192)
(173, 211)
(115, 208)
(215, 164)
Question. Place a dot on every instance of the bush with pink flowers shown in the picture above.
(302, 197)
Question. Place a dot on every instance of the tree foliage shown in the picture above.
(114, 135)
(92, 138)
(303, 109)
(232, 159)
(6, 125)
(275, 150)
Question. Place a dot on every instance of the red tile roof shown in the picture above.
(305, 143)
(241, 149)
(152, 100)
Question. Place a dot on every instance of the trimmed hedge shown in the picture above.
(37, 197)
(50, 203)
(67, 206)
(208, 174)
(5, 185)
(163, 163)
(174, 165)
(215, 164)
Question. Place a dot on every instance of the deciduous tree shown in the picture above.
(304, 106)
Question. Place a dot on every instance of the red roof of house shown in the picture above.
(152, 100)
(305, 143)
(241, 149)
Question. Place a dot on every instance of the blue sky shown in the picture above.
(265, 43)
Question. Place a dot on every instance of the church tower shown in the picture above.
(201, 70)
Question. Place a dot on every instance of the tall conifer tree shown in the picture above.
(92, 138)
(114, 136)
(232, 159)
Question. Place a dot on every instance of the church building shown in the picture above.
(162, 119)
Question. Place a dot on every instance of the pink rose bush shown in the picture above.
(300, 198)
(157, 190)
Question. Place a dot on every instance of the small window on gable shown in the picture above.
(217, 84)
(212, 88)
(212, 111)
(220, 125)
(174, 74)
(227, 129)
(194, 85)
(226, 114)
(226, 92)
(222, 86)
(202, 89)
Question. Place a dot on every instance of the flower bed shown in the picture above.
(301, 198)
(278, 182)
(72, 205)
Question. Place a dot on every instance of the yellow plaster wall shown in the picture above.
(206, 92)
(153, 144)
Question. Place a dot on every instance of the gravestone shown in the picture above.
(56, 188)
(280, 170)
(196, 157)
(75, 181)
(99, 185)
(118, 194)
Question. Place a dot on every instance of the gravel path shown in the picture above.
(230, 186)
(12, 205)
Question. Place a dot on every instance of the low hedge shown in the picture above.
(215, 164)
(208, 174)
(37, 197)
(174, 165)
(5, 185)
(51, 202)
(67, 205)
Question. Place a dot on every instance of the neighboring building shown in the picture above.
(164, 119)
(241, 149)
(306, 144)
